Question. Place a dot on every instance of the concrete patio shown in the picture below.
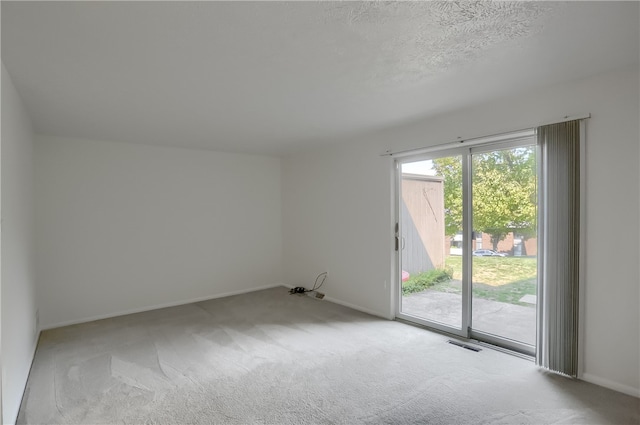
(510, 321)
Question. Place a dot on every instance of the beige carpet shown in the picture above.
(272, 358)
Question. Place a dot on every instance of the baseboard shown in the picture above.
(159, 306)
(33, 358)
(603, 382)
(352, 306)
(357, 307)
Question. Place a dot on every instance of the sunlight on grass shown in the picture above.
(510, 293)
(496, 271)
(503, 279)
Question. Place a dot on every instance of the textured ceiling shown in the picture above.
(434, 36)
(272, 77)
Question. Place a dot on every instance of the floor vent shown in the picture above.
(463, 345)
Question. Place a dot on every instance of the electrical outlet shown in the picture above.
(319, 295)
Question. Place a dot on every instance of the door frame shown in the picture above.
(466, 330)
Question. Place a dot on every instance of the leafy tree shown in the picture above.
(450, 168)
(504, 192)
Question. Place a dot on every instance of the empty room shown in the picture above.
(320, 212)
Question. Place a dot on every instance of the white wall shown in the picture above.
(19, 333)
(337, 218)
(122, 228)
(337, 210)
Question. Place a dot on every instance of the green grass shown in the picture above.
(496, 271)
(510, 293)
(422, 281)
(503, 279)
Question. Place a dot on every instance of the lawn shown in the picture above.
(495, 271)
(510, 293)
(504, 279)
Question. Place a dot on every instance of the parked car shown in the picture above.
(488, 253)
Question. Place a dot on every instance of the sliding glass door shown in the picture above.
(431, 241)
(467, 242)
(504, 250)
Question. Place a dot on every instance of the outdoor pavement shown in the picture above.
(506, 320)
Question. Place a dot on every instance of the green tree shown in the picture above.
(504, 192)
(450, 168)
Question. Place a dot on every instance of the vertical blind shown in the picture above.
(560, 239)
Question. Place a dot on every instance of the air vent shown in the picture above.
(463, 345)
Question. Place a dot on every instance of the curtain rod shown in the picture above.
(476, 140)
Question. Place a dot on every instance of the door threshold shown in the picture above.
(506, 350)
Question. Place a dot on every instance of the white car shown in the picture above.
(488, 253)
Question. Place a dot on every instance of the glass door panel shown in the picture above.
(430, 240)
(466, 242)
(504, 247)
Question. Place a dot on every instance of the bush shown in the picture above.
(424, 280)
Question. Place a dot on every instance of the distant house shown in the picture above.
(512, 244)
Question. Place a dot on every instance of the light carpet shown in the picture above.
(272, 358)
